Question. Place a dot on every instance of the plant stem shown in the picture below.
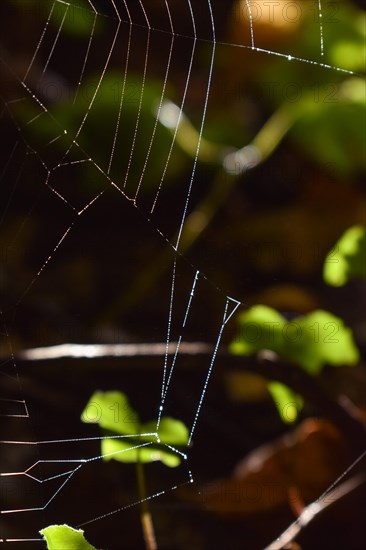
(146, 519)
(262, 146)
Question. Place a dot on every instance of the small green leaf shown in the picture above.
(311, 341)
(347, 259)
(288, 403)
(63, 537)
(258, 330)
(112, 411)
(132, 451)
(171, 431)
(114, 414)
(323, 339)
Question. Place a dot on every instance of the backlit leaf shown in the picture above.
(142, 443)
(311, 341)
(347, 259)
(63, 537)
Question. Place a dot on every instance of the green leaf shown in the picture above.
(171, 431)
(288, 403)
(66, 538)
(311, 341)
(114, 414)
(347, 259)
(131, 451)
(112, 411)
(258, 330)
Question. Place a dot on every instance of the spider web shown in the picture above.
(54, 142)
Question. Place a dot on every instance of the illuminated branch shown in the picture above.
(195, 355)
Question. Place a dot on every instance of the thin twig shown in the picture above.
(198, 355)
(314, 509)
(146, 519)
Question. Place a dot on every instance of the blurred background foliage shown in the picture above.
(281, 217)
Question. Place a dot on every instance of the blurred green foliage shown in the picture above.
(288, 403)
(311, 342)
(347, 259)
(329, 129)
(327, 105)
(107, 132)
